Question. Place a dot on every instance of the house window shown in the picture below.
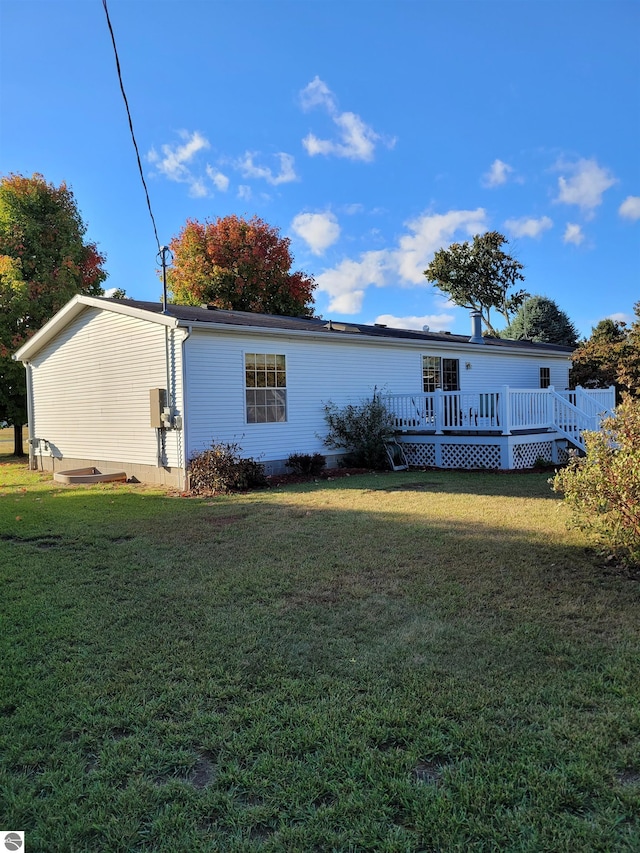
(265, 388)
(545, 377)
(440, 373)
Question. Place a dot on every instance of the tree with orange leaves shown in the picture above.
(239, 265)
(44, 261)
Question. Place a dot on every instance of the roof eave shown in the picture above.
(360, 337)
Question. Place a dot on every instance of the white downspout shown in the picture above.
(185, 448)
(33, 462)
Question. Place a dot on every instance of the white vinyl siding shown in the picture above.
(91, 386)
(321, 370)
(91, 383)
(492, 368)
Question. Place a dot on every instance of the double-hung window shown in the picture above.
(441, 373)
(265, 388)
(545, 377)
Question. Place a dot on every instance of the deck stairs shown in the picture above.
(571, 422)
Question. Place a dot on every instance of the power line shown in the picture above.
(133, 136)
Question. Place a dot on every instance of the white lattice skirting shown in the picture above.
(491, 452)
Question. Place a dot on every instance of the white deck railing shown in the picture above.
(598, 402)
(568, 412)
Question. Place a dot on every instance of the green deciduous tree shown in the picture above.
(539, 319)
(239, 265)
(44, 261)
(479, 276)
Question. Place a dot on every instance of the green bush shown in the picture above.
(603, 488)
(307, 464)
(360, 431)
(221, 469)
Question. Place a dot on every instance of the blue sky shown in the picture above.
(370, 133)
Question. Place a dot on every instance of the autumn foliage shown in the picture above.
(602, 489)
(236, 264)
(611, 356)
(44, 261)
(42, 232)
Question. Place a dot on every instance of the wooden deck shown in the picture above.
(505, 428)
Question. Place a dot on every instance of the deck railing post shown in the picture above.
(504, 408)
(550, 406)
(438, 404)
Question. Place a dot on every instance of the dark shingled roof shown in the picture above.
(193, 314)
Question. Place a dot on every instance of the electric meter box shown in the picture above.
(157, 404)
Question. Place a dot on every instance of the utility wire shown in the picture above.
(133, 136)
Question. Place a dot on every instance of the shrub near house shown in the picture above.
(221, 469)
(603, 488)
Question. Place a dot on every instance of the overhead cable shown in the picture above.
(133, 136)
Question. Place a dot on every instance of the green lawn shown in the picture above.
(424, 661)
(6, 440)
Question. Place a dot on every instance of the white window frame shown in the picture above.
(265, 387)
(439, 383)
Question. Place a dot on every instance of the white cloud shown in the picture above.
(498, 174)
(347, 282)
(244, 192)
(317, 94)
(220, 181)
(197, 188)
(621, 317)
(352, 209)
(431, 232)
(173, 163)
(250, 170)
(318, 230)
(573, 234)
(630, 207)
(435, 322)
(528, 227)
(356, 139)
(586, 186)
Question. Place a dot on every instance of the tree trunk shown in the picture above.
(18, 447)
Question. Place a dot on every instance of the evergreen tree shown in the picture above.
(539, 319)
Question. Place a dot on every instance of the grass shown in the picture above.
(6, 440)
(423, 661)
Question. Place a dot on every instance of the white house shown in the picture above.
(125, 386)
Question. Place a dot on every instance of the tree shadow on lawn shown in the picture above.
(292, 632)
(534, 483)
(301, 549)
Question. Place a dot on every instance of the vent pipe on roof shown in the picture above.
(476, 328)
